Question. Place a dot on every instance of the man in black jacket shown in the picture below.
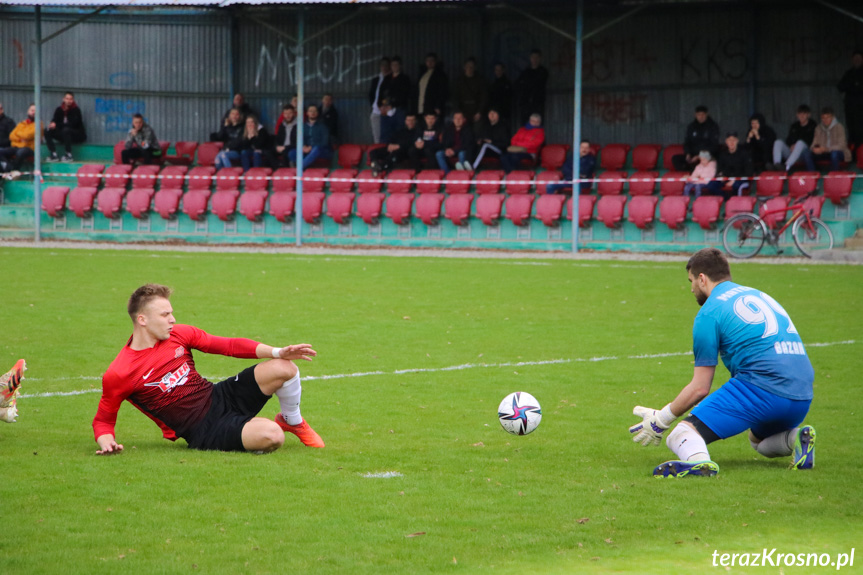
(493, 137)
(67, 126)
(7, 124)
(734, 165)
(530, 88)
(457, 143)
(800, 136)
(851, 85)
(377, 90)
(397, 94)
(432, 87)
(701, 134)
(383, 159)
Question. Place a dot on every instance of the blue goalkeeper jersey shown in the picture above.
(756, 339)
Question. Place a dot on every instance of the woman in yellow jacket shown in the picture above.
(23, 143)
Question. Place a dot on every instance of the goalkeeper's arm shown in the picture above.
(695, 391)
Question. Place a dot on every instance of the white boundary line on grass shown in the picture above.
(423, 369)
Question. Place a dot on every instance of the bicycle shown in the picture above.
(744, 234)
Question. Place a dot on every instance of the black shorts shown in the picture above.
(235, 401)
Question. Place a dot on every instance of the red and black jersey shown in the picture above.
(162, 381)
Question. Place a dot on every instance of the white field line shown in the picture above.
(418, 369)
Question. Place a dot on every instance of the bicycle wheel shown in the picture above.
(743, 235)
(812, 238)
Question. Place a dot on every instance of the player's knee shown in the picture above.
(754, 441)
(272, 438)
(287, 369)
(678, 432)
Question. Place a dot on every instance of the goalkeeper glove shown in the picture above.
(653, 424)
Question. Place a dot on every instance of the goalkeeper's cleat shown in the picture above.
(677, 468)
(9, 383)
(804, 448)
(306, 434)
(9, 414)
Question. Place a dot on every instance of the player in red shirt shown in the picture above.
(156, 373)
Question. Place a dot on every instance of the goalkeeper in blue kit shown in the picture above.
(770, 389)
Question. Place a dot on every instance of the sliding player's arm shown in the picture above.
(106, 416)
(244, 348)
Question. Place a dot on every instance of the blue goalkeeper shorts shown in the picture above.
(738, 406)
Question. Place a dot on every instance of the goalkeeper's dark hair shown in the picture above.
(144, 295)
(710, 262)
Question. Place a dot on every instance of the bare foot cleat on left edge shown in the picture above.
(676, 468)
(9, 384)
(306, 434)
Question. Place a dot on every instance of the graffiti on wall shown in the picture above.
(344, 63)
(116, 113)
(613, 108)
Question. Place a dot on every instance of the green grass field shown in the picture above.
(414, 356)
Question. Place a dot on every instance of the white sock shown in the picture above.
(778, 445)
(687, 444)
(289, 400)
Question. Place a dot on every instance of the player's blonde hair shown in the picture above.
(144, 295)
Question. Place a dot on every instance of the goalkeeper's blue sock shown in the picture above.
(687, 443)
(289, 400)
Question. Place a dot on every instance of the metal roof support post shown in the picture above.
(37, 155)
(233, 56)
(576, 122)
(298, 209)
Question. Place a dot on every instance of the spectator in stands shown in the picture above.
(141, 143)
(329, 117)
(524, 145)
(432, 87)
(500, 94)
(760, 140)
(829, 143)
(470, 93)
(493, 136)
(851, 85)
(384, 159)
(286, 132)
(398, 96)
(702, 175)
(377, 90)
(17, 147)
(427, 143)
(239, 103)
(458, 142)
(586, 169)
(701, 134)
(800, 136)
(530, 87)
(231, 135)
(66, 126)
(257, 148)
(316, 140)
(7, 125)
(735, 164)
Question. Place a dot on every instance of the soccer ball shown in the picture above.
(519, 413)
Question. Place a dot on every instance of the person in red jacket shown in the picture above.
(524, 145)
(156, 373)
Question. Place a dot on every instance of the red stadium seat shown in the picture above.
(518, 182)
(257, 180)
(859, 154)
(642, 211)
(184, 154)
(518, 208)
(611, 183)
(350, 156)
(144, 177)
(545, 178)
(172, 178)
(313, 206)
(802, 183)
(138, 202)
(252, 205)
(770, 184)
(223, 203)
(195, 203)
(118, 151)
(705, 211)
(609, 210)
(457, 182)
(586, 204)
(837, 186)
(81, 200)
(613, 156)
(117, 176)
(229, 179)
(772, 220)
(549, 208)
(398, 207)
(167, 202)
(316, 184)
(488, 208)
(201, 178)
(339, 206)
(90, 175)
(672, 211)
(813, 205)
(671, 184)
(282, 205)
(645, 157)
(54, 200)
(488, 181)
(643, 183)
(428, 207)
(371, 184)
(739, 205)
(109, 201)
(429, 181)
(207, 153)
(337, 187)
(284, 180)
(369, 206)
(394, 186)
(553, 156)
(163, 147)
(668, 153)
(457, 208)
